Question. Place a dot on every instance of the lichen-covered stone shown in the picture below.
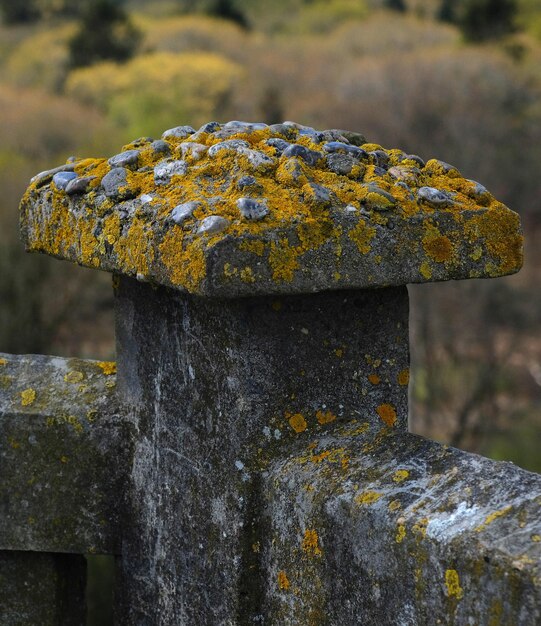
(444, 226)
(62, 449)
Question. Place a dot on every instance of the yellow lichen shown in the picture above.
(362, 235)
(283, 581)
(387, 414)
(394, 505)
(283, 261)
(186, 266)
(297, 422)
(247, 275)
(74, 376)
(490, 518)
(368, 497)
(28, 396)
(107, 367)
(404, 377)
(3, 362)
(400, 533)
(400, 475)
(254, 246)
(452, 583)
(310, 543)
(425, 270)
(325, 417)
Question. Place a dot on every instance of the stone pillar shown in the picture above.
(217, 388)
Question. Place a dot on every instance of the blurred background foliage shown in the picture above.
(456, 79)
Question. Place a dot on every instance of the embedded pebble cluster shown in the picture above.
(239, 179)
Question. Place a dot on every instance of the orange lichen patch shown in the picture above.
(254, 246)
(404, 377)
(187, 266)
(374, 379)
(107, 367)
(28, 396)
(362, 235)
(400, 533)
(74, 376)
(490, 518)
(310, 543)
(452, 583)
(3, 362)
(368, 497)
(387, 414)
(437, 246)
(283, 260)
(325, 417)
(425, 270)
(297, 422)
(500, 231)
(283, 581)
(400, 475)
(133, 250)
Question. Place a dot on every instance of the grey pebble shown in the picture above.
(210, 127)
(178, 131)
(433, 196)
(61, 179)
(233, 145)
(320, 196)
(446, 167)
(345, 148)
(340, 163)
(417, 159)
(402, 172)
(212, 225)
(193, 149)
(297, 150)
(48, 174)
(247, 182)
(245, 126)
(357, 139)
(259, 159)
(388, 201)
(160, 147)
(79, 185)
(163, 172)
(184, 211)
(113, 181)
(279, 144)
(380, 171)
(128, 157)
(294, 168)
(478, 189)
(283, 129)
(252, 209)
(380, 158)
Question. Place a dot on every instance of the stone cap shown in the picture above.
(243, 209)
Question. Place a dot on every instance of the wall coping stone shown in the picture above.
(242, 209)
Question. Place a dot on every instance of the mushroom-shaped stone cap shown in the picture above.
(244, 208)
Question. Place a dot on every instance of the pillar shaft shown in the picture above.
(216, 388)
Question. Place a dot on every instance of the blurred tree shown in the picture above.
(226, 9)
(480, 20)
(396, 5)
(105, 32)
(14, 12)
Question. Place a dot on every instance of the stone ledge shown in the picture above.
(61, 452)
(389, 528)
(243, 209)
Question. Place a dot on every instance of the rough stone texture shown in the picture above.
(62, 452)
(336, 215)
(218, 388)
(366, 527)
(42, 589)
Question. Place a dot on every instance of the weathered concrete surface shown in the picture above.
(62, 453)
(217, 388)
(238, 210)
(42, 589)
(388, 528)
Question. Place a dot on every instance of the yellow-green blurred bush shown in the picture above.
(192, 33)
(41, 60)
(159, 90)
